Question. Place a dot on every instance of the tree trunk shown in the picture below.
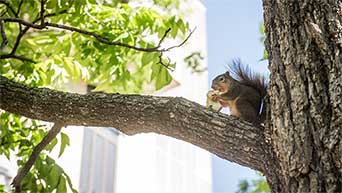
(304, 43)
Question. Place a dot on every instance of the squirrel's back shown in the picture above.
(244, 75)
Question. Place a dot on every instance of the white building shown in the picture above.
(101, 160)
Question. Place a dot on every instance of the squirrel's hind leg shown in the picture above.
(246, 111)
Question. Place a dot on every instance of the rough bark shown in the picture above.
(225, 136)
(304, 43)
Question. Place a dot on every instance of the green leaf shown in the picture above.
(51, 145)
(78, 5)
(265, 55)
(64, 142)
(24, 142)
(49, 160)
(53, 177)
(122, 36)
(61, 188)
(2, 188)
(164, 78)
(70, 184)
(28, 182)
(181, 25)
(147, 58)
(69, 67)
(174, 31)
(155, 71)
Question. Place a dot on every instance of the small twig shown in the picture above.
(100, 38)
(18, 20)
(35, 153)
(19, 7)
(181, 44)
(168, 49)
(22, 33)
(51, 14)
(42, 12)
(22, 58)
(163, 64)
(17, 41)
(164, 36)
(9, 7)
(17, 15)
(3, 35)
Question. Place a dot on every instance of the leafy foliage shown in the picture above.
(193, 61)
(61, 56)
(254, 186)
(262, 39)
(64, 56)
(19, 135)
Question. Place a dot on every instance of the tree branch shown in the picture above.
(9, 7)
(19, 7)
(44, 24)
(42, 12)
(225, 136)
(182, 43)
(3, 35)
(22, 32)
(35, 153)
(22, 58)
(98, 37)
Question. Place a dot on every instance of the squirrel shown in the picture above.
(243, 95)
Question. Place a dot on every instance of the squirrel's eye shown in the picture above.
(221, 79)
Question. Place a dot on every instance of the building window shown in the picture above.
(99, 156)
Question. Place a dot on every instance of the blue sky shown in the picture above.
(233, 32)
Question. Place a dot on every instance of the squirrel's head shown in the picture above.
(222, 82)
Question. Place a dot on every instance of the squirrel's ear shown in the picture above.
(226, 73)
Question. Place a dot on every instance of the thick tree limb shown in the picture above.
(35, 153)
(225, 136)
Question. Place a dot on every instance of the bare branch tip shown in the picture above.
(164, 36)
(3, 35)
(22, 58)
(42, 18)
(182, 43)
(56, 128)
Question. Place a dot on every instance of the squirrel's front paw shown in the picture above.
(212, 100)
(213, 95)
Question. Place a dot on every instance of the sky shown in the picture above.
(233, 28)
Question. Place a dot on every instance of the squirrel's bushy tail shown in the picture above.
(244, 75)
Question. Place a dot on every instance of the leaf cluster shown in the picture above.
(258, 185)
(62, 55)
(18, 136)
